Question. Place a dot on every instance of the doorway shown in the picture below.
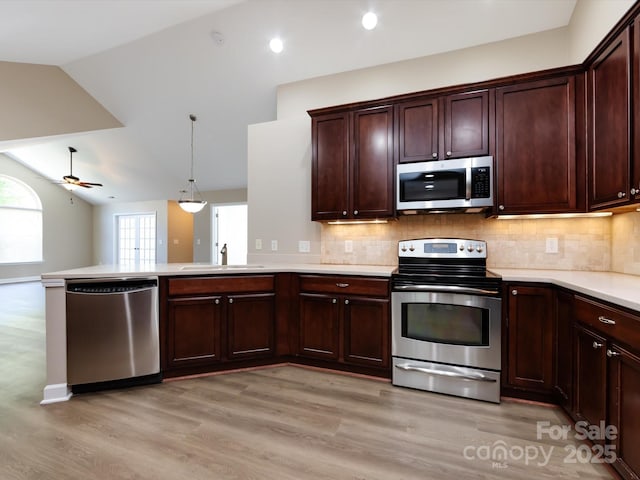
(136, 238)
(229, 227)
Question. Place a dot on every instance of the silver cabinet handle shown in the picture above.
(355, 212)
(596, 345)
(217, 301)
(342, 285)
(621, 194)
(634, 191)
(611, 353)
(448, 154)
(346, 302)
(334, 300)
(231, 300)
(501, 207)
(606, 321)
(443, 373)
(434, 155)
(514, 292)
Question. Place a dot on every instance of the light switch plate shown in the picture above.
(274, 245)
(258, 244)
(348, 246)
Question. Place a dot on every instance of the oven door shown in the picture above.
(452, 328)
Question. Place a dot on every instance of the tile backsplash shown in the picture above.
(583, 243)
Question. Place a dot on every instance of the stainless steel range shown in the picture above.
(446, 318)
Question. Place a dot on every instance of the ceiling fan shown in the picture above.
(71, 181)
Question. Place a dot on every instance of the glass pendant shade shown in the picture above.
(191, 200)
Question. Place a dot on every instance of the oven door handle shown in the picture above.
(478, 377)
(445, 288)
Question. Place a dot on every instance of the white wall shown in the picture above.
(67, 228)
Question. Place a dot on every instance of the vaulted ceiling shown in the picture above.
(152, 63)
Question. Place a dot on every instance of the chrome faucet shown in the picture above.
(223, 252)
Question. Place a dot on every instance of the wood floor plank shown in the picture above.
(280, 423)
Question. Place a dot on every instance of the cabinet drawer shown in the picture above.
(378, 287)
(612, 322)
(220, 284)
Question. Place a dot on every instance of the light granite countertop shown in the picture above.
(617, 288)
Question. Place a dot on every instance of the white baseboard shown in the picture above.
(59, 392)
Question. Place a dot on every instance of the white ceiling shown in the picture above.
(153, 62)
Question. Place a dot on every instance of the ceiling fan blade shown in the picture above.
(89, 184)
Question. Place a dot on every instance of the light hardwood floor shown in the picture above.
(284, 423)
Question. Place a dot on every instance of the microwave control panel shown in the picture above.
(480, 182)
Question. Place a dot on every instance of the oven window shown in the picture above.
(446, 323)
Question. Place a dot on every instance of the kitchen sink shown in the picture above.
(220, 267)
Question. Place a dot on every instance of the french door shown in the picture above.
(136, 238)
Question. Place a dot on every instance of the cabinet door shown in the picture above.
(366, 331)
(330, 166)
(466, 124)
(635, 183)
(417, 130)
(319, 326)
(590, 374)
(624, 406)
(194, 331)
(250, 325)
(564, 349)
(536, 147)
(530, 337)
(372, 163)
(609, 155)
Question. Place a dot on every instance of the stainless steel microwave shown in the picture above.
(464, 184)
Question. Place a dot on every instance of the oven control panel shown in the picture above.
(442, 248)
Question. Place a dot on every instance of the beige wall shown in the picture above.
(590, 23)
(45, 101)
(179, 233)
(67, 228)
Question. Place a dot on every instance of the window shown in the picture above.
(20, 222)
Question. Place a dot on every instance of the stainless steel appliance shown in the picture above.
(112, 333)
(464, 184)
(446, 319)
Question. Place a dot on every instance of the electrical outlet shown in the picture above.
(197, 241)
(258, 244)
(551, 245)
(274, 245)
(348, 246)
(304, 246)
(176, 241)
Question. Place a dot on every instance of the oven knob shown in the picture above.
(411, 248)
(479, 248)
(461, 248)
(403, 248)
(470, 248)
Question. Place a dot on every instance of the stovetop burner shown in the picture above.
(444, 261)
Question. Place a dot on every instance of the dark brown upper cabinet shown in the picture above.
(635, 183)
(452, 126)
(609, 125)
(352, 164)
(540, 164)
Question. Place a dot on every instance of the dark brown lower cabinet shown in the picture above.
(530, 339)
(591, 376)
(194, 331)
(624, 409)
(319, 326)
(365, 338)
(564, 349)
(250, 325)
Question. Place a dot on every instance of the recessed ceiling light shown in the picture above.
(369, 20)
(276, 45)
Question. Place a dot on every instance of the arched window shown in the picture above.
(20, 222)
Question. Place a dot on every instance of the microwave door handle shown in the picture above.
(468, 183)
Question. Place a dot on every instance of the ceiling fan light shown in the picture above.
(69, 186)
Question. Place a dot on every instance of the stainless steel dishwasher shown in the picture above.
(112, 333)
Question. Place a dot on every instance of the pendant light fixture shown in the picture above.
(191, 201)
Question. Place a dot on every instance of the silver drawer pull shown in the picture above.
(611, 353)
(597, 345)
(606, 321)
(342, 285)
(474, 377)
